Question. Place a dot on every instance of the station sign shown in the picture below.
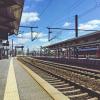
(5, 44)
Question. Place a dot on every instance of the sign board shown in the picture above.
(5, 44)
(19, 46)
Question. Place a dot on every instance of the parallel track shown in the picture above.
(58, 77)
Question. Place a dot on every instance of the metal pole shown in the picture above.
(31, 34)
(49, 35)
(12, 47)
(76, 26)
(76, 34)
(15, 51)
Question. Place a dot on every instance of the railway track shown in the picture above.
(64, 81)
(89, 72)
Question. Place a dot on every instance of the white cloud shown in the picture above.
(43, 39)
(29, 17)
(93, 24)
(10, 42)
(23, 38)
(22, 41)
(66, 24)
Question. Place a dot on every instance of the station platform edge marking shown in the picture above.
(11, 90)
(53, 92)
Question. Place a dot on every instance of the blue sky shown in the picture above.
(56, 13)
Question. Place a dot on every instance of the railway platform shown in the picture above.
(18, 82)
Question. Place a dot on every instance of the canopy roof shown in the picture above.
(95, 36)
(10, 16)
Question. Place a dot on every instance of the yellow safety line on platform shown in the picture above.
(11, 91)
(53, 92)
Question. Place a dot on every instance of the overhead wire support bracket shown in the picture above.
(50, 30)
(30, 27)
(53, 28)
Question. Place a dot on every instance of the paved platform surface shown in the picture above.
(17, 84)
(4, 66)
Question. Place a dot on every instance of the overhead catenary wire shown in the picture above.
(44, 10)
(97, 4)
(73, 7)
(88, 11)
(55, 36)
(50, 30)
(53, 28)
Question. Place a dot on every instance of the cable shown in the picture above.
(44, 10)
(56, 35)
(73, 7)
(88, 11)
(61, 19)
(97, 4)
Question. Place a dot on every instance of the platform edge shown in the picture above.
(52, 92)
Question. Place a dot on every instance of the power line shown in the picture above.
(76, 29)
(44, 10)
(57, 28)
(62, 19)
(47, 6)
(56, 35)
(88, 11)
(76, 5)
(73, 7)
(97, 4)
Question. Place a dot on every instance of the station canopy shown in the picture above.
(85, 39)
(10, 16)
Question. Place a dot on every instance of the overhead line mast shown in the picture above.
(31, 28)
(76, 29)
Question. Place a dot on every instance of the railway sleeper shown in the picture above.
(71, 96)
(57, 83)
(94, 98)
(61, 85)
(53, 81)
(46, 77)
(82, 96)
(77, 70)
(69, 88)
(73, 92)
(91, 73)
